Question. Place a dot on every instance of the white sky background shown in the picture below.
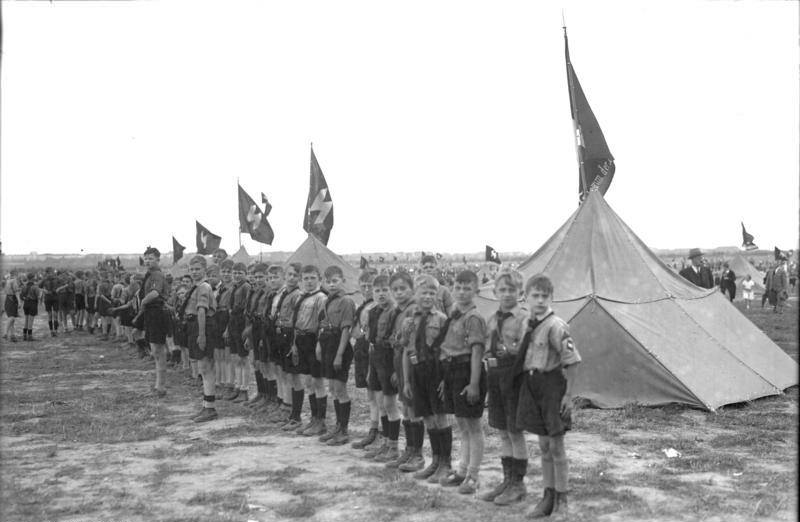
(440, 126)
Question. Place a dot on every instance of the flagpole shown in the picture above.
(238, 230)
(571, 88)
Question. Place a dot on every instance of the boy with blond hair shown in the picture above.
(360, 343)
(199, 307)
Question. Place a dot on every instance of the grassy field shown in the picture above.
(81, 442)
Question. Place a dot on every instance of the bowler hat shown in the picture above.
(695, 252)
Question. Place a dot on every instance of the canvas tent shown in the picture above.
(742, 267)
(313, 252)
(241, 256)
(647, 335)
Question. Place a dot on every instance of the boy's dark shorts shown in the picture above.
(90, 304)
(456, 377)
(66, 302)
(30, 307)
(381, 366)
(50, 303)
(283, 343)
(397, 363)
(125, 317)
(156, 325)
(361, 362)
(539, 407)
(503, 396)
(12, 306)
(329, 340)
(103, 307)
(425, 381)
(268, 342)
(307, 350)
(180, 334)
(192, 330)
(236, 325)
(80, 302)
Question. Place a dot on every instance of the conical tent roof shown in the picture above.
(313, 252)
(241, 256)
(742, 267)
(647, 335)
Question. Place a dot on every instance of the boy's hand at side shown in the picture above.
(407, 390)
(566, 404)
(440, 390)
(393, 379)
(318, 352)
(472, 391)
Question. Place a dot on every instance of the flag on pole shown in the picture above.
(364, 263)
(318, 219)
(206, 240)
(595, 162)
(778, 254)
(141, 261)
(492, 255)
(252, 220)
(381, 259)
(747, 240)
(438, 255)
(267, 206)
(177, 250)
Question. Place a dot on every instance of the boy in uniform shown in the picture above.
(103, 304)
(547, 358)
(244, 338)
(506, 330)
(360, 343)
(223, 360)
(303, 353)
(90, 288)
(154, 292)
(335, 352)
(80, 300)
(116, 301)
(199, 308)
(283, 314)
(464, 381)
(66, 299)
(30, 295)
(11, 305)
(261, 339)
(271, 371)
(421, 375)
(49, 285)
(444, 299)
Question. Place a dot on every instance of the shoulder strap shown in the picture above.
(300, 302)
(186, 300)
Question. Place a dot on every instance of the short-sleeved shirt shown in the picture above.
(91, 287)
(65, 285)
(224, 295)
(513, 330)
(254, 297)
(339, 312)
(12, 286)
(380, 324)
(283, 316)
(104, 289)
(361, 323)
(49, 284)
(748, 285)
(240, 297)
(466, 329)
(155, 280)
(30, 293)
(202, 297)
(399, 333)
(433, 328)
(80, 286)
(551, 346)
(308, 314)
(116, 291)
(264, 304)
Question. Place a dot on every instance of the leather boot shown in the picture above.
(545, 506)
(366, 441)
(415, 461)
(560, 510)
(442, 471)
(490, 495)
(515, 490)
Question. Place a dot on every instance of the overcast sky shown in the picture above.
(440, 126)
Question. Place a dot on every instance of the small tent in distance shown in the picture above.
(241, 256)
(313, 252)
(742, 268)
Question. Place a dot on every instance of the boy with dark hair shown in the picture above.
(271, 361)
(334, 351)
(49, 285)
(307, 310)
(11, 305)
(103, 304)
(546, 362)
(360, 343)
(30, 296)
(116, 301)
(255, 334)
(464, 382)
(90, 289)
(284, 337)
(154, 292)
(377, 380)
(199, 308)
(444, 300)
(223, 359)
(243, 304)
(506, 330)
(181, 337)
(66, 299)
(80, 300)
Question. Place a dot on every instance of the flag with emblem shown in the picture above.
(177, 250)
(319, 207)
(492, 255)
(141, 261)
(595, 162)
(364, 263)
(747, 240)
(253, 220)
(778, 253)
(206, 240)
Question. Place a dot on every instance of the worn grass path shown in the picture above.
(80, 442)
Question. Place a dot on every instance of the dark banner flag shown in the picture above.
(177, 250)
(778, 254)
(206, 240)
(252, 220)
(492, 255)
(747, 240)
(595, 162)
(364, 263)
(319, 207)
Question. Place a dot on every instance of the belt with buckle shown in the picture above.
(467, 357)
(298, 331)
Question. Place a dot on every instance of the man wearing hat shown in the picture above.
(697, 272)
(780, 283)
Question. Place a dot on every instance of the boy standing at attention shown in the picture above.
(199, 307)
(80, 300)
(243, 303)
(360, 343)
(377, 379)
(271, 370)
(283, 314)
(223, 361)
(49, 285)
(506, 329)
(11, 305)
(548, 356)
(155, 291)
(334, 351)
(464, 381)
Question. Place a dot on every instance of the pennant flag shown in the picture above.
(778, 254)
(595, 162)
(177, 250)
(267, 206)
(319, 206)
(438, 255)
(141, 261)
(206, 240)
(252, 220)
(747, 240)
(364, 263)
(380, 259)
(465, 259)
(119, 263)
(492, 255)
